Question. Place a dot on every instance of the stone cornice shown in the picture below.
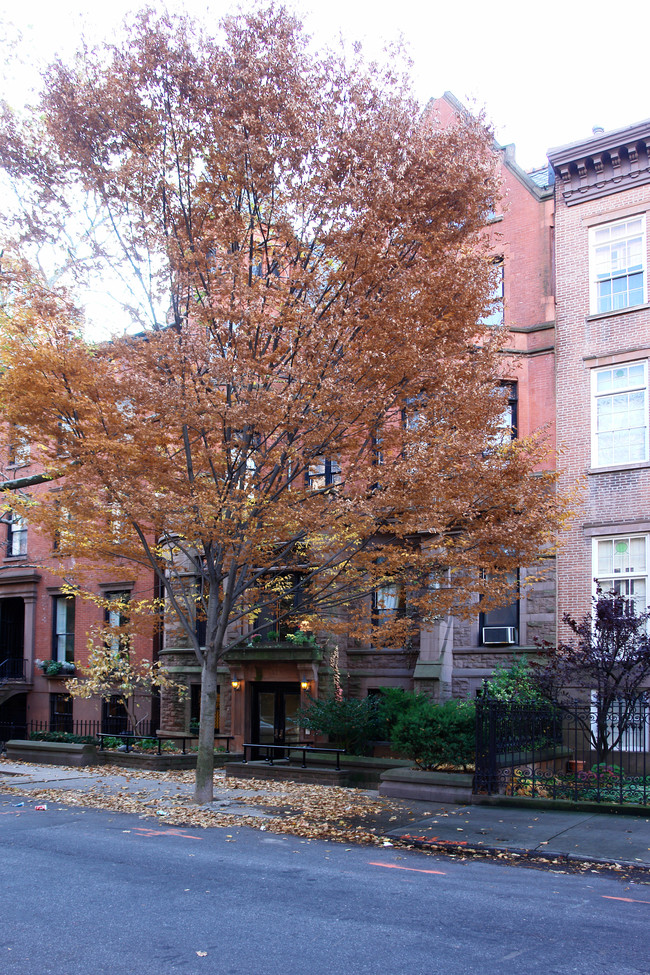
(606, 163)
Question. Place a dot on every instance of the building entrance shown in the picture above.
(274, 709)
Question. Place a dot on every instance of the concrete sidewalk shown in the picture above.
(28, 777)
(566, 834)
(603, 838)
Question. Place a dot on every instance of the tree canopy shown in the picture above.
(308, 412)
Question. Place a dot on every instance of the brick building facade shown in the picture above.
(44, 632)
(603, 344)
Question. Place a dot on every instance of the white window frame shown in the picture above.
(63, 628)
(621, 575)
(598, 396)
(598, 244)
(17, 535)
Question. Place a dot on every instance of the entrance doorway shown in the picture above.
(274, 713)
(12, 628)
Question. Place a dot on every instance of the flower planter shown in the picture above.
(413, 783)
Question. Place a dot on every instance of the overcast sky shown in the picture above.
(545, 73)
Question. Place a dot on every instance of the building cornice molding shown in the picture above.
(602, 165)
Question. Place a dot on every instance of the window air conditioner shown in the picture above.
(493, 635)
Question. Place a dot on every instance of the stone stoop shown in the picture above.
(413, 783)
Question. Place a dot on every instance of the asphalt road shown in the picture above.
(89, 892)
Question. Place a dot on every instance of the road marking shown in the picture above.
(143, 831)
(628, 900)
(396, 866)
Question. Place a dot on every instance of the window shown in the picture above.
(115, 719)
(63, 628)
(115, 617)
(620, 565)
(60, 712)
(501, 625)
(195, 708)
(628, 725)
(19, 449)
(495, 317)
(617, 265)
(620, 414)
(17, 534)
(280, 600)
(507, 421)
(61, 538)
(323, 472)
(388, 602)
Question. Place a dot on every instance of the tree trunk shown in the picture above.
(203, 790)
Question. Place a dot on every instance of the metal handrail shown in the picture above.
(13, 669)
(293, 748)
(128, 738)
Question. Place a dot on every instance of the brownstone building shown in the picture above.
(264, 682)
(44, 631)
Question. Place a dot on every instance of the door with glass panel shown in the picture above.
(274, 708)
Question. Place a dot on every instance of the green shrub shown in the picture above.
(437, 735)
(113, 742)
(302, 639)
(63, 736)
(516, 684)
(147, 744)
(352, 724)
(392, 704)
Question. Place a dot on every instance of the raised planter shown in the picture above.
(51, 752)
(162, 763)
(65, 753)
(413, 783)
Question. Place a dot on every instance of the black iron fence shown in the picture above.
(81, 729)
(574, 750)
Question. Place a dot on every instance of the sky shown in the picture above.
(544, 74)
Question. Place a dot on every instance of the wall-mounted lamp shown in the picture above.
(305, 685)
(235, 684)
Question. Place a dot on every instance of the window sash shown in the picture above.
(323, 472)
(618, 265)
(620, 415)
(63, 622)
(388, 603)
(620, 564)
(116, 618)
(495, 318)
(17, 535)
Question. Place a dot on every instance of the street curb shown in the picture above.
(450, 846)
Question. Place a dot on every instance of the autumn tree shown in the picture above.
(307, 414)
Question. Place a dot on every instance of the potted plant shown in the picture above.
(56, 668)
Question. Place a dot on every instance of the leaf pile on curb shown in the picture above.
(310, 811)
